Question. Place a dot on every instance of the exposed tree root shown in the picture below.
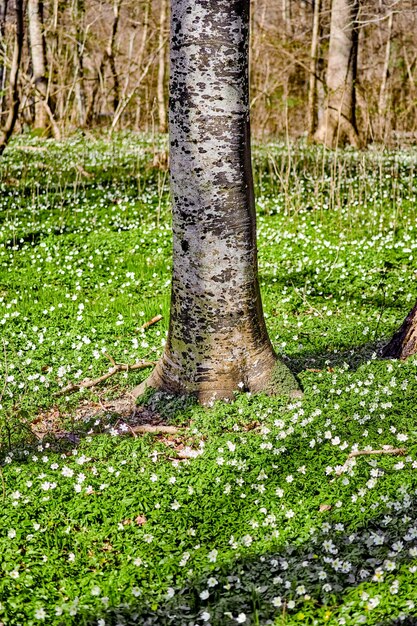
(117, 367)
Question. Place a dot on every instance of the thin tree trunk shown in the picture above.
(286, 15)
(217, 341)
(385, 75)
(144, 40)
(404, 342)
(111, 56)
(409, 68)
(91, 110)
(3, 14)
(78, 13)
(312, 92)
(304, 12)
(338, 125)
(7, 130)
(37, 52)
(162, 115)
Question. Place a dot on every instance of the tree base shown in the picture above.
(404, 342)
(277, 380)
(334, 132)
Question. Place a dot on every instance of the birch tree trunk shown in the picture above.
(338, 125)
(217, 341)
(37, 52)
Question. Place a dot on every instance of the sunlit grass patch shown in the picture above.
(265, 521)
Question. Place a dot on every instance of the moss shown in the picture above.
(283, 382)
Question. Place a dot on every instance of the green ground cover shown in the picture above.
(265, 522)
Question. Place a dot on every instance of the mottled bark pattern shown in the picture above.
(338, 125)
(217, 341)
(404, 342)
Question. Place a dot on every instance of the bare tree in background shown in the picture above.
(3, 14)
(79, 35)
(106, 64)
(38, 57)
(7, 130)
(383, 95)
(312, 91)
(111, 54)
(338, 125)
(162, 115)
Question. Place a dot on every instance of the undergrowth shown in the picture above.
(267, 521)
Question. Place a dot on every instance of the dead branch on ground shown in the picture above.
(117, 367)
(143, 429)
(151, 322)
(356, 453)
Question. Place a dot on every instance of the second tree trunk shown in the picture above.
(338, 124)
(37, 49)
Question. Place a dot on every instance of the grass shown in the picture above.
(260, 525)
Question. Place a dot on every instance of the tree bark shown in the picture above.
(107, 56)
(38, 57)
(7, 130)
(404, 342)
(286, 16)
(3, 14)
(385, 75)
(111, 56)
(217, 341)
(338, 125)
(312, 91)
(162, 115)
(78, 16)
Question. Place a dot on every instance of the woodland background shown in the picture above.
(104, 64)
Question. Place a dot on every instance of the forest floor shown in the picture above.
(256, 512)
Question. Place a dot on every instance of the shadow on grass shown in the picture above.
(354, 357)
(321, 573)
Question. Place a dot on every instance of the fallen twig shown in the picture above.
(148, 428)
(117, 367)
(356, 453)
(397, 451)
(151, 322)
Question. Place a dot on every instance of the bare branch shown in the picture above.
(387, 450)
(154, 320)
(118, 367)
(148, 428)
